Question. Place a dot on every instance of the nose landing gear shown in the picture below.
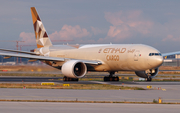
(149, 79)
(111, 77)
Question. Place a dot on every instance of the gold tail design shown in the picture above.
(42, 39)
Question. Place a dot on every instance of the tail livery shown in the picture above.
(42, 39)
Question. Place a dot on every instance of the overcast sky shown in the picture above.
(152, 22)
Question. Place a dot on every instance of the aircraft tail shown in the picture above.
(42, 39)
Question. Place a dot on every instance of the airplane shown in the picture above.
(75, 61)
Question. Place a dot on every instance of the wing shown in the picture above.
(33, 57)
(172, 53)
(91, 62)
(17, 51)
(46, 58)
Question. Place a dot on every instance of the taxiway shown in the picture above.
(167, 91)
(51, 107)
(170, 95)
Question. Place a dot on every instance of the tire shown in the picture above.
(65, 79)
(106, 79)
(149, 79)
(111, 79)
(116, 78)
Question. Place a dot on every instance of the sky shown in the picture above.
(152, 22)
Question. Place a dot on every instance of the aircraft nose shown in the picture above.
(155, 61)
(159, 60)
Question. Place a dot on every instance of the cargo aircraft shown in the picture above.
(76, 60)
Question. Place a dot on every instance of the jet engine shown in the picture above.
(74, 69)
(147, 73)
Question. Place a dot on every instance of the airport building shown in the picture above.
(18, 61)
(172, 60)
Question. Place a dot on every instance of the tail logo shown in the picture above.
(42, 38)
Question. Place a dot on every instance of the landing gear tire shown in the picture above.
(107, 78)
(111, 77)
(149, 79)
(65, 79)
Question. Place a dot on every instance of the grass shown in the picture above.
(155, 101)
(167, 80)
(72, 86)
(169, 68)
(32, 68)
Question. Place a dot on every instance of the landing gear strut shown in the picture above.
(65, 79)
(149, 79)
(111, 77)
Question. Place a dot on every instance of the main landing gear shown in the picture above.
(65, 79)
(111, 77)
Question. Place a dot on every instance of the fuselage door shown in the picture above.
(136, 56)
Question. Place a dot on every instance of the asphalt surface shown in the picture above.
(168, 91)
(26, 79)
(59, 79)
(50, 107)
(170, 94)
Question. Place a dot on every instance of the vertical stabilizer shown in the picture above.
(42, 39)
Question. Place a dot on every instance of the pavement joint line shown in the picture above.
(129, 102)
(86, 98)
(99, 82)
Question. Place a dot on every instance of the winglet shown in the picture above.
(42, 39)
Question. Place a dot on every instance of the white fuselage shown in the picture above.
(114, 57)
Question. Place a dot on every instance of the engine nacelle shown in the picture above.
(74, 69)
(144, 74)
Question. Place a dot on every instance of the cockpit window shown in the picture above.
(154, 54)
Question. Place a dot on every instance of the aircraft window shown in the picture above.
(156, 54)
